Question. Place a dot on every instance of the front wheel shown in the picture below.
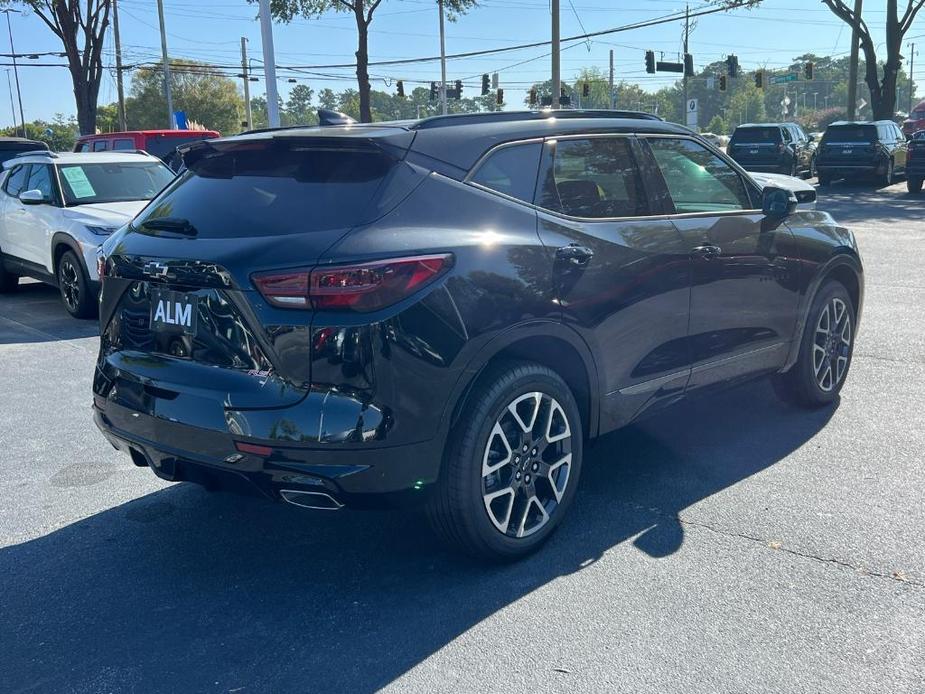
(889, 176)
(914, 185)
(74, 286)
(8, 280)
(511, 466)
(825, 351)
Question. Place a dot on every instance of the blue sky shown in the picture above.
(210, 30)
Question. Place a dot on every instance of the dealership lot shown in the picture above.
(733, 544)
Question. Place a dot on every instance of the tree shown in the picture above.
(882, 91)
(298, 110)
(60, 134)
(107, 118)
(81, 26)
(198, 89)
(362, 10)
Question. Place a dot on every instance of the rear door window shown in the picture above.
(99, 146)
(595, 178)
(697, 180)
(511, 170)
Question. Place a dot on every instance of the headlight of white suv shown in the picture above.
(101, 231)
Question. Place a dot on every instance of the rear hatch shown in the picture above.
(179, 307)
(756, 146)
(852, 145)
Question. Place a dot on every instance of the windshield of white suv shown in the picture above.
(86, 184)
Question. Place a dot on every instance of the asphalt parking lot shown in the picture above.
(732, 545)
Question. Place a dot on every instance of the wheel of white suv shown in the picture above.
(74, 286)
(914, 185)
(825, 351)
(512, 464)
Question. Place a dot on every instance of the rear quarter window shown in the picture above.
(511, 170)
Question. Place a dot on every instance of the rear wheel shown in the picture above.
(914, 185)
(512, 465)
(825, 352)
(8, 280)
(74, 286)
(889, 176)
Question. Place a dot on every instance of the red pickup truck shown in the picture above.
(160, 143)
(915, 121)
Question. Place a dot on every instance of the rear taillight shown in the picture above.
(364, 287)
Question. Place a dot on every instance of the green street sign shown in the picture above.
(782, 79)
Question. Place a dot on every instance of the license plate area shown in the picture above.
(173, 312)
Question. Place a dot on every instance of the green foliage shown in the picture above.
(197, 89)
(107, 118)
(717, 126)
(298, 109)
(60, 133)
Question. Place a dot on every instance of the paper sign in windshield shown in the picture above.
(78, 181)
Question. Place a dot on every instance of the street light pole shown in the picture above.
(911, 75)
(269, 63)
(22, 118)
(120, 90)
(556, 75)
(171, 123)
(247, 85)
(442, 60)
(9, 84)
(612, 95)
(853, 66)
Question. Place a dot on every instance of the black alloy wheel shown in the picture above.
(75, 287)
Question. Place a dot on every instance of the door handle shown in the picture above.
(707, 251)
(575, 254)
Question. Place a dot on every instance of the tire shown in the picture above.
(8, 281)
(889, 176)
(74, 286)
(826, 351)
(512, 509)
(914, 185)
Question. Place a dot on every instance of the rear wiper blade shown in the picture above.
(177, 225)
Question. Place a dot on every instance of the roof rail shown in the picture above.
(37, 152)
(513, 116)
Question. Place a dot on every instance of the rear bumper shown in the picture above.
(850, 170)
(369, 475)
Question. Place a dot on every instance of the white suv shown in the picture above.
(56, 209)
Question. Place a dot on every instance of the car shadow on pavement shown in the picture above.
(35, 313)
(182, 590)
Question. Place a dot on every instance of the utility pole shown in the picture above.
(22, 118)
(120, 91)
(853, 66)
(171, 123)
(442, 60)
(612, 95)
(687, 33)
(247, 84)
(556, 76)
(911, 76)
(269, 63)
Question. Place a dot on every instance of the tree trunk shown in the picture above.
(363, 62)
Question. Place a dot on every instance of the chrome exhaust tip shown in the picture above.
(321, 501)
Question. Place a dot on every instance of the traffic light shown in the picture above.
(433, 91)
(650, 62)
(400, 87)
(533, 96)
(688, 65)
(458, 89)
(759, 79)
(808, 71)
(585, 90)
(722, 83)
(732, 66)
(499, 98)
(486, 84)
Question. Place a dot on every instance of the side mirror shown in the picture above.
(777, 203)
(32, 197)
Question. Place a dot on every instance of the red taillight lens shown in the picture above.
(362, 288)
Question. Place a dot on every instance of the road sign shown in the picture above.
(692, 111)
(783, 79)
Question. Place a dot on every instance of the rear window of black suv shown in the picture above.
(851, 133)
(756, 135)
(270, 190)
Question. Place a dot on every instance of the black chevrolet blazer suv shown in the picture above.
(442, 312)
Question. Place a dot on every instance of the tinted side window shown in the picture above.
(698, 180)
(788, 136)
(123, 143)
(511, 170)
(40, 179)
(17, 179)
(82, 147)
(99, 145)
(595, 178)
